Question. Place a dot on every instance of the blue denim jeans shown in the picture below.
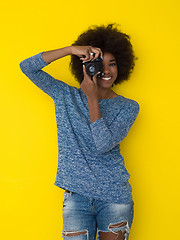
(82, 216)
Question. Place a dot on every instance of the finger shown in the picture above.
(85, 73)
(98, 53)
(95, 77)
(101, 53)
(87, 54)
(85, 61)
(91, 54)
(83, 57)
(97, 74)
(86, 58)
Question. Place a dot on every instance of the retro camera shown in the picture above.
(94, 66)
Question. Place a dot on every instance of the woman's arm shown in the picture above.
(107, 137)
(94, 109)
(52, 55)
(32, 66)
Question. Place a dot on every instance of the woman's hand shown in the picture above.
(89, 86)
(86, 51)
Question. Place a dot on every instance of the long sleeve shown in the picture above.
(105, 137)
(32, 66)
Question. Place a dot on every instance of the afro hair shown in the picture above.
(111, 40)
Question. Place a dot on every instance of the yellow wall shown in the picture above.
(30, 204)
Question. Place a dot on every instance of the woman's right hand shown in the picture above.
(86, 51)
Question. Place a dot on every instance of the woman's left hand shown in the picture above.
(89, 86)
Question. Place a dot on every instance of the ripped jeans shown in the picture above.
(82, 216)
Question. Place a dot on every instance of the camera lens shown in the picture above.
(91, 69)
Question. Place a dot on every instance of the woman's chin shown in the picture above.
(106, 84)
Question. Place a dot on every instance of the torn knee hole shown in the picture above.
(119, 235)
(116, 235)
(65, 233)
(121, 224)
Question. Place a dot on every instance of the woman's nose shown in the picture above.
(105, 69)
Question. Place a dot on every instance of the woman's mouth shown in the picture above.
(106, 78)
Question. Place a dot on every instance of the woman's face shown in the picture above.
(110, 71)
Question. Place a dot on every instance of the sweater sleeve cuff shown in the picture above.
(97, 123)
(41, 60)
(37, 62)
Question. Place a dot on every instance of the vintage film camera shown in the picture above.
(94, 66)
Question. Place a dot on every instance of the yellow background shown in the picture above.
(30, 203)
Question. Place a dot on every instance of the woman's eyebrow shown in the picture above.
(112, 60)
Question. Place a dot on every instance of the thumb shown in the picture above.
(95, 77)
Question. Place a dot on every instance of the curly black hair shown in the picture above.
(111, 40)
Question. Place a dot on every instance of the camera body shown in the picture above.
(93, 66)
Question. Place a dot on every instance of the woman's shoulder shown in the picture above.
(129, 102)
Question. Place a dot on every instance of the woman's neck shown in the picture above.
(107, 94)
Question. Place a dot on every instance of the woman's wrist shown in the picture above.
(71, 49)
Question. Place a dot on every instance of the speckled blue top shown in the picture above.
(89, 159)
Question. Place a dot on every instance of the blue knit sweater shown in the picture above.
(89, 159)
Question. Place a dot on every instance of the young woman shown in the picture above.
(91, 122)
